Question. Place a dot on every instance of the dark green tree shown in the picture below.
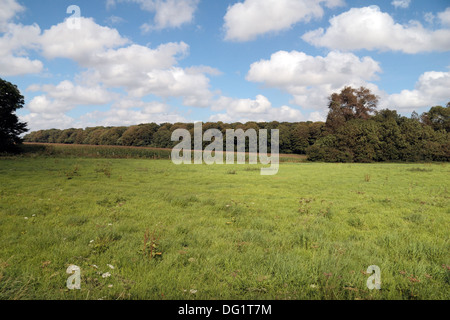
(350, 104)
(438, 118)
(300, 138)
(10, 127)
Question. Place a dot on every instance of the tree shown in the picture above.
(438, 118)
(111, 136)
(300, 138)
(10, 127)
(350, 104)
(392, 142)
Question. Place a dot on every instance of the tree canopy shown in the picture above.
(10, 127)
(355, 131)
(350, 104)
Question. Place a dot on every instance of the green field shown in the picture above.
(222, 231)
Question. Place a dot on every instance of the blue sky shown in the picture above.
(139, 61)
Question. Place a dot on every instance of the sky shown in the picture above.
(124, 62)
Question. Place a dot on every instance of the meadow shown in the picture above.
(149, 229)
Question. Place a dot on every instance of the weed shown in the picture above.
(72, 173)
(106, 169)
(252, 169)
(116, 201)
(304, 205)
(151, 245)
(420, 170)
(327, 213)
(102, 243)
(355, 222)
(415, 218)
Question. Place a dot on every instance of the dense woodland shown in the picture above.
(353, 132)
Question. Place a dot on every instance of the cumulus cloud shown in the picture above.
(369, 28)
(109, 64)
(15, 66)
(81, 44)
(10, 8)
(431, 88)
(247, 20)
(15, 43)
(444, 17)
(147, 107)
(401, 3)
(127, 117)
(144, 71)
(167, 13)
(66, 96)
(42, 121)
(260, 105)
(259, 109)
(138, 69)
(176, 82)
(129, 66)
(310, 80)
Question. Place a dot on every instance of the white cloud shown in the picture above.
(168, 13)
(128, 66)
(14, 44)
(140, 70)
(401, 3)
(282, 114)
(15, 66)
(432, 88)
(127, 117)
(16, 41)
(247, 20)
(110, 4)
(369, 28)
(444, 17)
(10, 8)
(114, 20)
(143, 71)
(312, 79)
(172, 14)
(42, 121)
(429, 17)
(66, 96)
(175, 82)
(260, 109)
(260, 105)
(81, 45)
(140, 57)
(148, 107)
(317, 116)
(106, 66)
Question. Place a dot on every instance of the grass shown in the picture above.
(221, 232)
(115, 152)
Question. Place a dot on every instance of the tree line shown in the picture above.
(353, 132)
